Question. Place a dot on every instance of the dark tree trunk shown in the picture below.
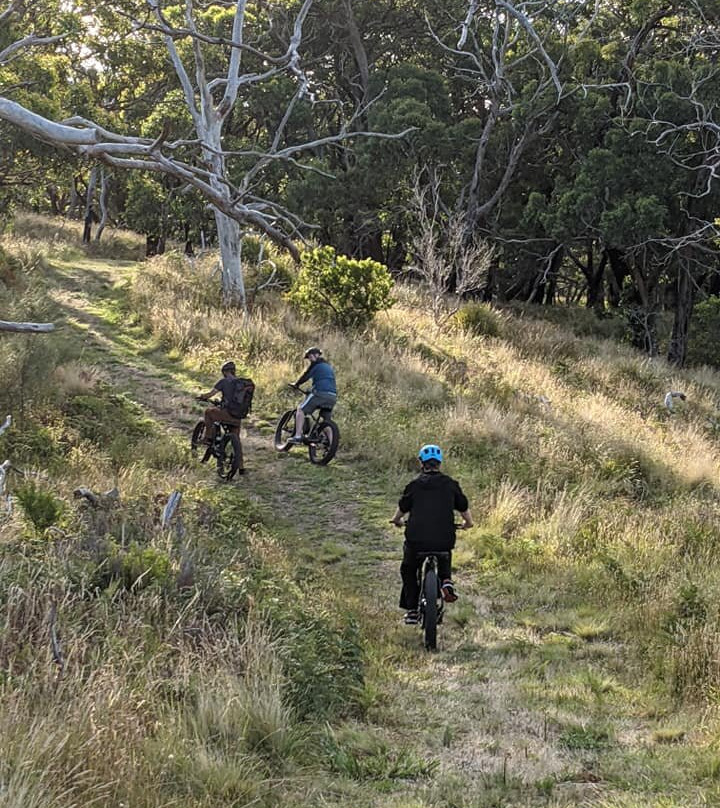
(677, 350)
(596, 281)
(619, 270)
(642, 311)
(89, 212)
(58, 200)
(487, 293)
(188, 241)
(544, 285)
(75, 199)
(151, 245)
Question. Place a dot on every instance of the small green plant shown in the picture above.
(588, 737)
(479, 318)
(40, 506)
(341, 290)
(362, 755)
(133, 569)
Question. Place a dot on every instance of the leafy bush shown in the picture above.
(704, 343)
(479, 318)
(133, 568)
(341, 290)
(39, 505)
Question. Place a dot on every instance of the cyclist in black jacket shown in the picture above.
(431, 499)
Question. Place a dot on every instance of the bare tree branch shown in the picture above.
(447, 262)
(26, 327)
(16, 48)
(532, 33)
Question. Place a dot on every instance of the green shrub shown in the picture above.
(133, 568)
(34, 444)
(104, 417)
(479, 318)
(39, 505)
(704, 341)
(341, 290)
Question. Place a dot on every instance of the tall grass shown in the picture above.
(562, 438)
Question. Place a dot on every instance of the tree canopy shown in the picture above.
(580, 141)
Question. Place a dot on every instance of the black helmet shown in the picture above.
(228, 366)
(313, 350)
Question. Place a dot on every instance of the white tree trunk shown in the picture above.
(232, 277)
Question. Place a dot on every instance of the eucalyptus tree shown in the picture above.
(220, 53)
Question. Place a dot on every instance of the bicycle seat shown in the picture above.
(428, 554)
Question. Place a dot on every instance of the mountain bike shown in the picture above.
(431, 605)
(320, 434)
(226, 448)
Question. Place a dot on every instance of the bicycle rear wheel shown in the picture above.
(284, 430)
(324, 443)
(430, 611)
(229, 460)
(197, 437)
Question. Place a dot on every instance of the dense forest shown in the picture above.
(570, 149)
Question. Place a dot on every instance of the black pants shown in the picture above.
(410, 573)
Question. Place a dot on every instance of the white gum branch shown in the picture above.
(206, 101)
(465, 28)
(532, 33)
(233, 74)
(178, 66)
(28, 42)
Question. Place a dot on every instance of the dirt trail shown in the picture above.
(490, 708)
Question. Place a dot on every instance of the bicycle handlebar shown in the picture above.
(457, 525)
(297, 389)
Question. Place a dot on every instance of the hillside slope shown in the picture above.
(576, 669)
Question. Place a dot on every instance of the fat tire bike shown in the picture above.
(226, 448)
(431, 605)
(321, 434)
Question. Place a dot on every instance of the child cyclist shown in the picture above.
(431, 500)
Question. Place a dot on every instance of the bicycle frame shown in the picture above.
(430, 562)
(221, 429)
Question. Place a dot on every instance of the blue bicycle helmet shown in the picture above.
(430, 452)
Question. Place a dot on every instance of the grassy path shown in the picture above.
(529, 702)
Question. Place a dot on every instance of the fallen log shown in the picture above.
(26, 327)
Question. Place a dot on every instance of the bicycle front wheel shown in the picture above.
(430, 611)
(284, 430)
(229, 460)
(197, 437)
(324, 443)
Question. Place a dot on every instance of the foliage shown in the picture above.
(40, 506)
(133, 568)
(341, 290)
(103, 416)
(704, 346)
(479, 318)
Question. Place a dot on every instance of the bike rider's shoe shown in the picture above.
(412, 618)
(295, 440)
(448, 591)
